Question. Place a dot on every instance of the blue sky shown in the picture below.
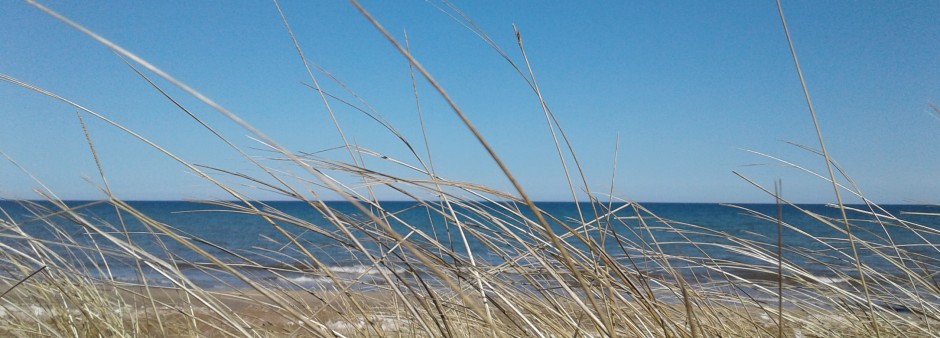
(688, 87)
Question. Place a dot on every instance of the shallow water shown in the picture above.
(724, 237)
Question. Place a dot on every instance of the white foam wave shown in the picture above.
(361, 270)
(386, 323)
(830, 280)
(307, 280)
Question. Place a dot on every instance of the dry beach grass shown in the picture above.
(553, 277)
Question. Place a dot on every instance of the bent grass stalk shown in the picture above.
(832, 176)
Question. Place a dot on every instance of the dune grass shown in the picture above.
(606, 272)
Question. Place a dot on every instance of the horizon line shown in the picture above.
(474, 201)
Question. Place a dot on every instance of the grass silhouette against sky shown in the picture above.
(685, 86)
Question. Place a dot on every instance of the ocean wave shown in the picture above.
(308, 280)
(362, 270)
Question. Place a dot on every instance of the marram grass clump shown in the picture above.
(422, 286)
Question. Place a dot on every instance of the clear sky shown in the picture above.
(688, 87)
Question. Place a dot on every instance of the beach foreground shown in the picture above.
(162, 312)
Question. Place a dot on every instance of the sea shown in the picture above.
(697, 238)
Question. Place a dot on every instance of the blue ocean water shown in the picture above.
(691, 236)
